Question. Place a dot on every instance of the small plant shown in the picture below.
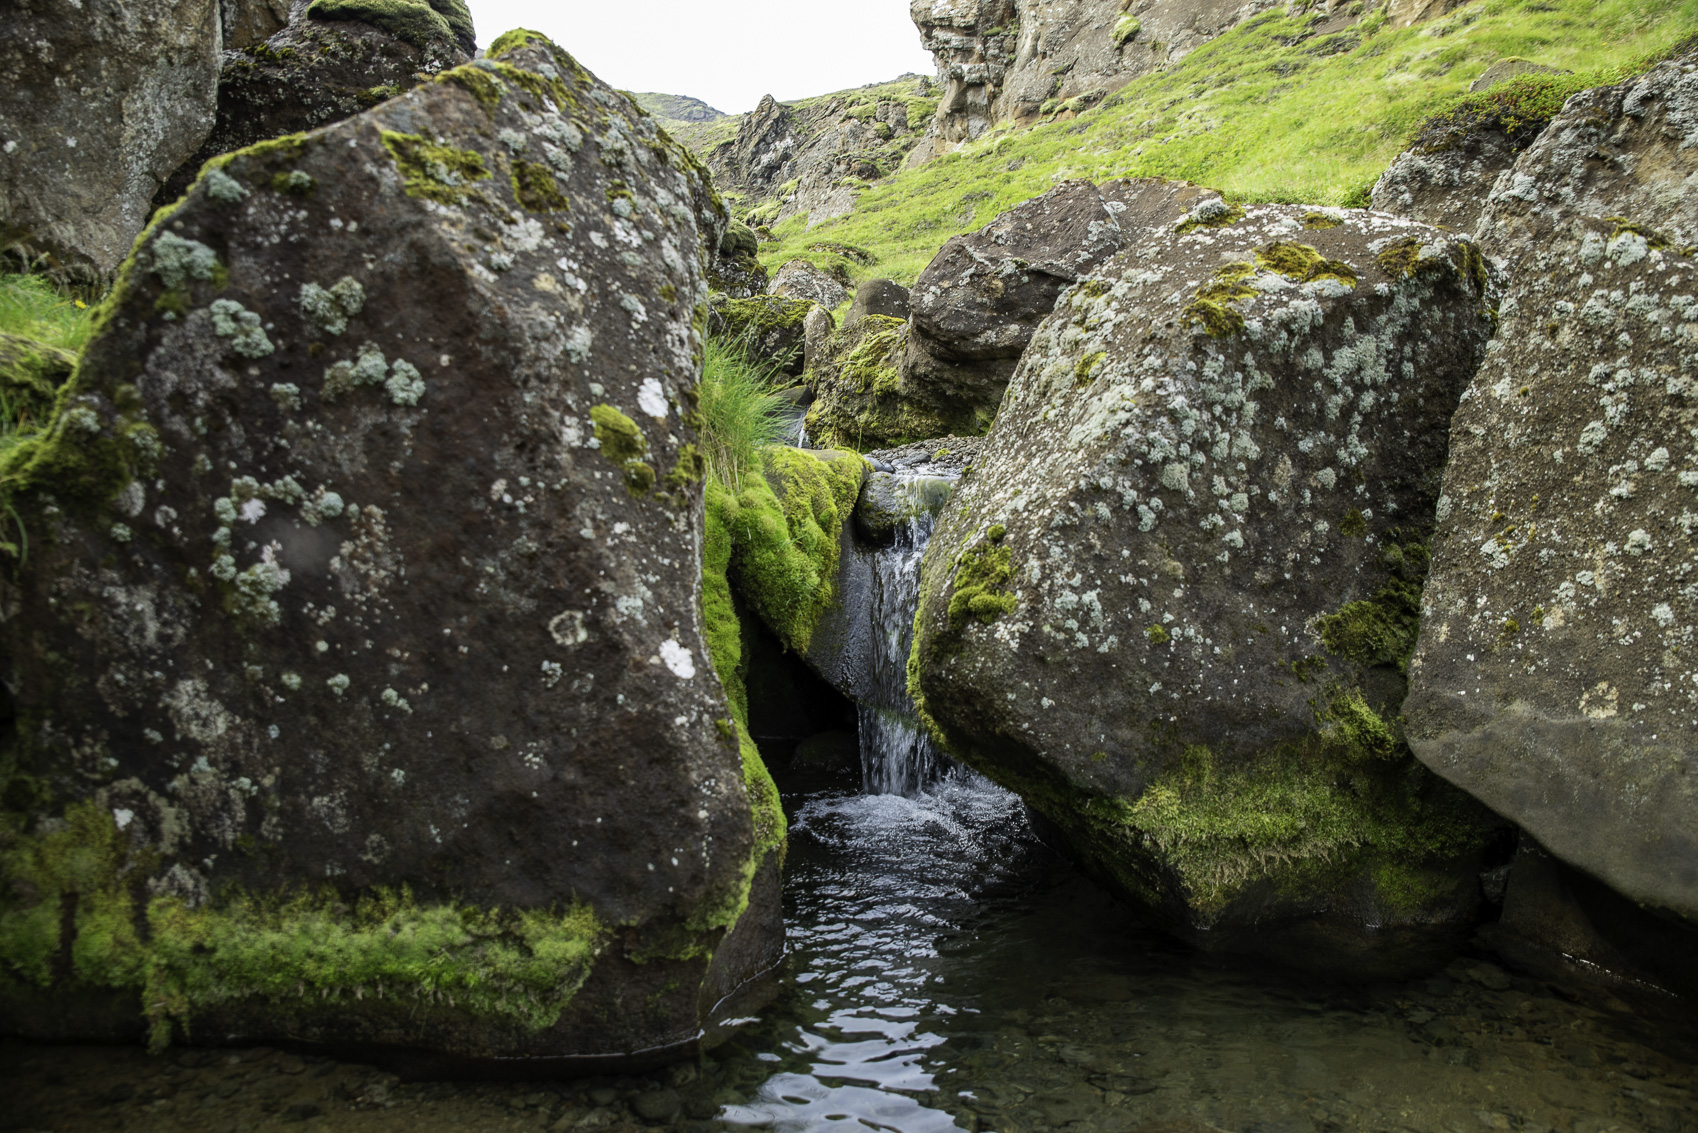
(741, 411)
(31, 308)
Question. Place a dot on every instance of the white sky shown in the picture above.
(726, 54)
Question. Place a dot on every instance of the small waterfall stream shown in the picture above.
(897, 756)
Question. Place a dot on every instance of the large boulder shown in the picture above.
(314, 72)
(1554, 679)
(800, 279)
(361, 692)
(883, 381)
(1171, 602)
(1615, 151)
(769, 328)
(103, 100)
(734, 268)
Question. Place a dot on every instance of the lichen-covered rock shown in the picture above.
(769, 328)
(1646, 126)
(734, 268)
(800, 279)
(103, 100)
(869, 393)
(1554, 679)
(307, 75)
(360, 679)
(1443, 177)
(1173, 606)
(247, 22)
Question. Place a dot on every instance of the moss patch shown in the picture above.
(1301, 263)
(980, 571)
(435, 172)
(71, 891)
(535, 188)
(413, 21)
(1212, 305)
(624, 444)
(1382, 630)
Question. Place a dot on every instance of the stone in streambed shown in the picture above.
(358, 652)
(1172, 601)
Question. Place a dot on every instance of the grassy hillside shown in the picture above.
(1264, 113)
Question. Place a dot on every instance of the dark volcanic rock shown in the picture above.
(358, 649)
(308, 75)
(879, 297)
(1554, 679)
(103, 100)
(1171, 602)
(1443, 177)
(769, 328)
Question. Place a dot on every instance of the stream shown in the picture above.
(948, 971)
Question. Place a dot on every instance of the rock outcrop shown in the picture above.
(103, 101)
(311, 73)
(1021, 59)
(1553, 679)
(813, 157)
(801, 279)
(1172, 602)
(358, 653)
(883, 382)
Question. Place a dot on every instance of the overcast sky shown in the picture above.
(726, 54)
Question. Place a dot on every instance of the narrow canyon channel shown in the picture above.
(947, 971)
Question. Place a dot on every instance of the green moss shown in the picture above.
(1126, 29)
(1212, 305)
(510, 41)
(435, 172)
(535, 188)
(477, 82)
(1319, 220)
(1082, 373)
(1382, 630)
(1362, 732)
(414, 21)
(785, 529)
(293, 183)
(980, 571)
(1158, 635)
(623, 443)
(519, 966)
(1303, 264)
(1231, 216)
(1353, 525)
(1403, 259)
(31, 374)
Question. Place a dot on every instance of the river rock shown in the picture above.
(1553, 680)
(1645, 125)
(1172, 600)
(312, 73)
(103, 100)
(358, 649)
(800, 279)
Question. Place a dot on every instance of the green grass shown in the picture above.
(1259, 113)
(741, 412)
(31, 308)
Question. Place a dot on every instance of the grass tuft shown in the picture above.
(741, 412)
(31, 308)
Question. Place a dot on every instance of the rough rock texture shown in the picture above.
(769, 327)
(734, 268)
(879, 297)
(814, 156)
(800, 279)
(247, 22)
(310, 74)
(1555, 679)
(1405, 13)
(1019, 59)
(1616, 151)
(1442, 178)
(974, 309)
(359, 647)
(103, 100)
(1174, 602)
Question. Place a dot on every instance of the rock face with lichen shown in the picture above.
(1172, 601)
(311, 73)
(887, 381)
(360, 686)
(103, 100)
(1554, 678)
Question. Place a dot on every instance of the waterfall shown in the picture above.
(897, 756)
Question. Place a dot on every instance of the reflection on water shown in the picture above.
(949, 972)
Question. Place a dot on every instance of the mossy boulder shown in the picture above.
(1554, 679)
(771, 327)
(98, 111)
(360, 684)
(867, 397)
(1171, 602)
(735, 270)
(310, 74)
(30, 376)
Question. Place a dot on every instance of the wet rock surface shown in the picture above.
(1177, 588)
(308, 75)
(358, 649)
(103, 102)
(1552, 681)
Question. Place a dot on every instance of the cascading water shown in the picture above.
(897, 756)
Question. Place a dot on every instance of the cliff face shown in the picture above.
(1025, 60)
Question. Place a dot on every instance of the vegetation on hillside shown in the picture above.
(31, 308)
(1266, 112)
